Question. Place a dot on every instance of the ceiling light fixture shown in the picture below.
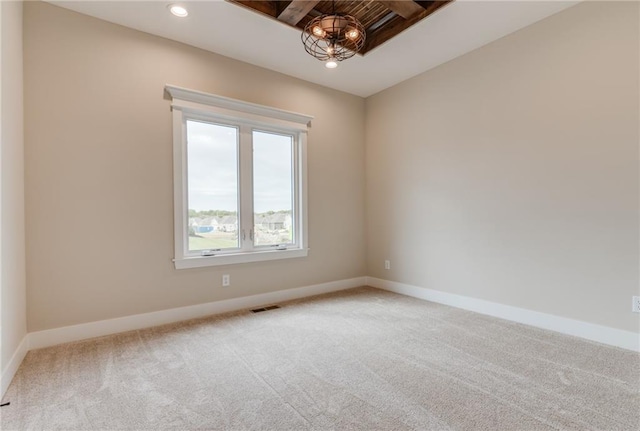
(178, 10)
(331, 64)
(333, 37)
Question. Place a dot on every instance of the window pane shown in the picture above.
(212, 157)
(272, 189)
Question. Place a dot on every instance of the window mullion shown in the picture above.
(246, 188)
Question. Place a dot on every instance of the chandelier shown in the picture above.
(333, 37)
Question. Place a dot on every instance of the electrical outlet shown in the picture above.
(226, 280)
(636, 304)
(387, 264)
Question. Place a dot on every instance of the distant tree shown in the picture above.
(210, 213)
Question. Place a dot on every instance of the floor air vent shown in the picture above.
(259, 310)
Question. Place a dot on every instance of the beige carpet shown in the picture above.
(361, 359)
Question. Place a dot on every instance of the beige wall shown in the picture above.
(511, 174)
(99, 172)
(12, 253)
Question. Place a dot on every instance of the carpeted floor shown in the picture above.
(360, 359)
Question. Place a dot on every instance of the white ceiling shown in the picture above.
(235, 32)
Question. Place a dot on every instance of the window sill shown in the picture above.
(230, 259)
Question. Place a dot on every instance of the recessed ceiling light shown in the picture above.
(178, 10)
(331, 64)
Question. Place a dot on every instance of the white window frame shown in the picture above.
(195, 105)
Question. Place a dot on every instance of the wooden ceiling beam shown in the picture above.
(281, 6)
(397, 25)
(296, 10)
(406, 9)
(432, 6)
(266, 7)
(297, 13)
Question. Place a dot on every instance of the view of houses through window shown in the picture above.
(214, 187)
(272, 188)
(215, 229)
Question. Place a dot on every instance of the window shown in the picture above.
(239, 181)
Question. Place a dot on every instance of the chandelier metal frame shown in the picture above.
(334, 36)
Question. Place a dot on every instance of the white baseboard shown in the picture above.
(83, 331)
(13, 365)
(35, 340)
(602, 334)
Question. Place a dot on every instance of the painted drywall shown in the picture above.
(12, 252)
(511, 174)
(99, 172)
